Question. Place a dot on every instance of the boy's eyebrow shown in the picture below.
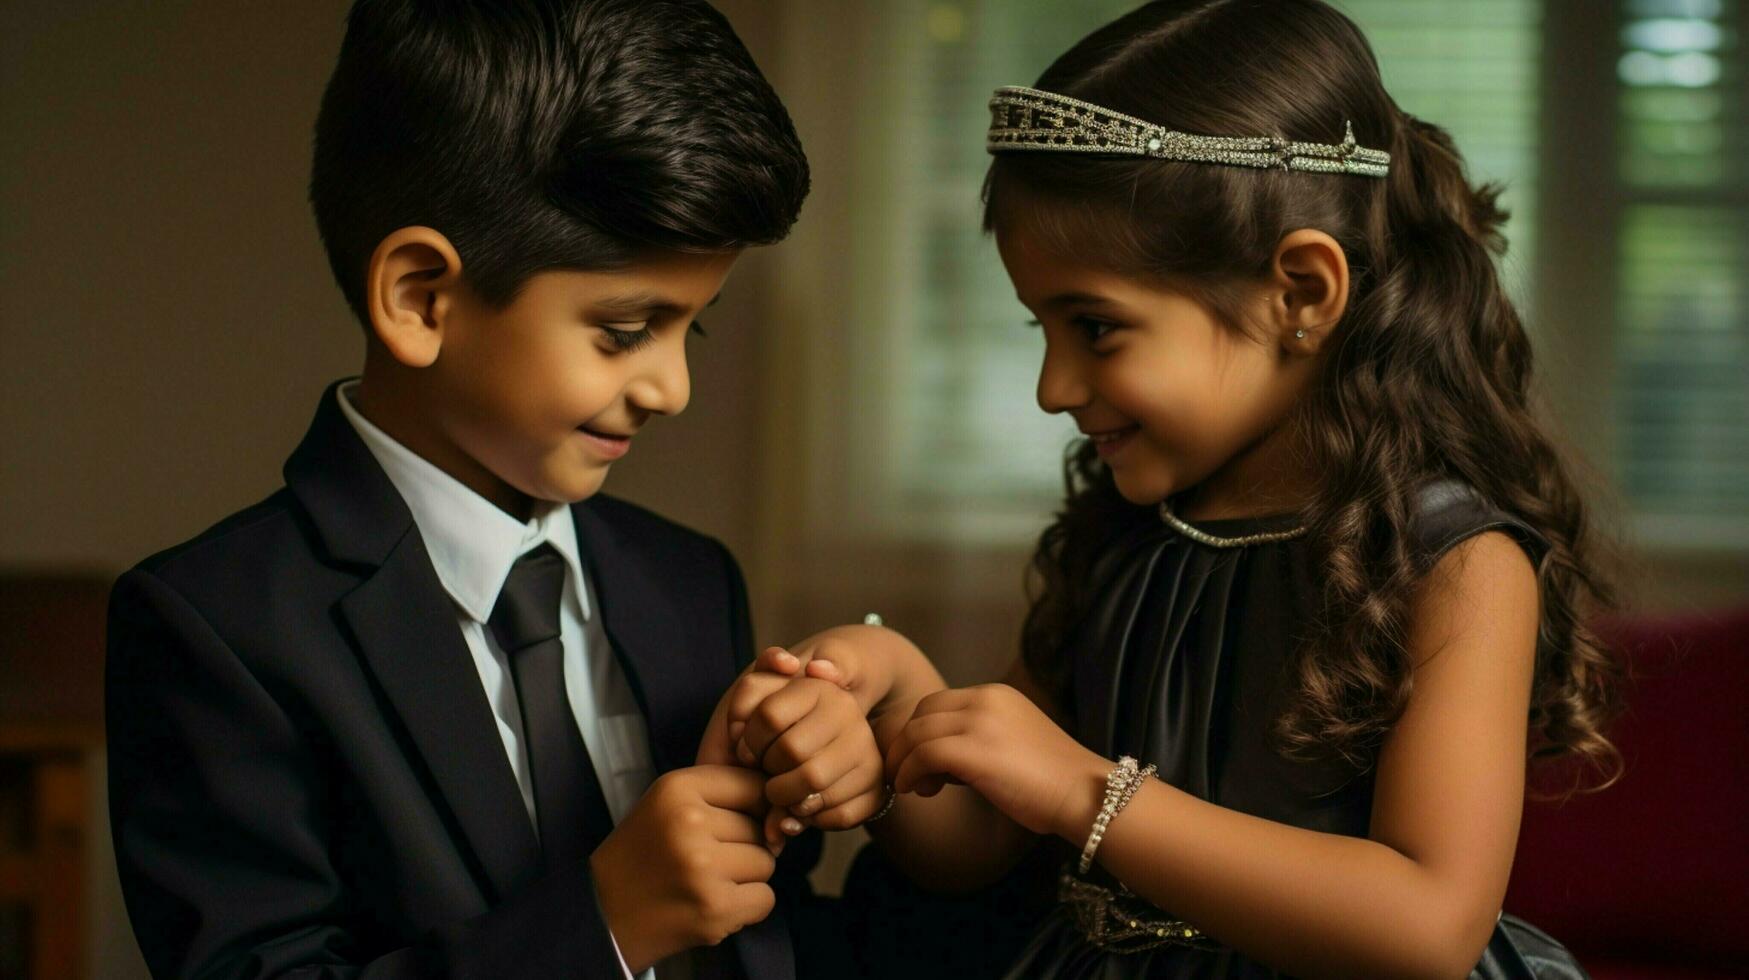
(637, 303)
(645, 303)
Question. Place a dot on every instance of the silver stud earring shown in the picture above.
(1299, 335)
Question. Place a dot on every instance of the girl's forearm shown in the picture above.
(954, 841)
(1305, 902)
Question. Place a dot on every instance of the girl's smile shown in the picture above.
(1111, 442)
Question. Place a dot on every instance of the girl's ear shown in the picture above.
(410, 290)
(1308, 290)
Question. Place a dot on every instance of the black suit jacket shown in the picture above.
(306, 779)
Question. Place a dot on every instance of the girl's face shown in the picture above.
(1172, 397)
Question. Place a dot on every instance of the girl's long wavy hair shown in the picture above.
(1427, 375)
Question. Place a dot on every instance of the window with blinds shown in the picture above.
(1473, 68)
(971, 453)
(1682, 313)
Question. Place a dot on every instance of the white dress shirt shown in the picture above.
(473, 545)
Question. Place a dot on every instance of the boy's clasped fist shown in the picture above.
(688, 865)
(808, 732)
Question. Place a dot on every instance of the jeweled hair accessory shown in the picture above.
(1030, 120)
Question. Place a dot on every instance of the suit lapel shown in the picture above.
(405, 629)
(671, 668)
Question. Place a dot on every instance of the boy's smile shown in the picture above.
(533, 401)
(609, 447)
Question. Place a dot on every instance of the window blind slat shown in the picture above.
(1682, 332)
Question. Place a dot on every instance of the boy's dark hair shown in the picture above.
(542, 134)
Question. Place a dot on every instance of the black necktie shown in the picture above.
(570, 809)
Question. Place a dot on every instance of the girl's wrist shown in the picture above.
(1083, 795)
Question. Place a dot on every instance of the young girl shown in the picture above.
(1319, 575)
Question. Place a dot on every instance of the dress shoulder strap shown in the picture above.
(1449, 512)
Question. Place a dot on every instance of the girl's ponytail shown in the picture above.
(1427, 187)
(1431, 377)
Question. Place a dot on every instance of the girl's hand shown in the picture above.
(995, 740)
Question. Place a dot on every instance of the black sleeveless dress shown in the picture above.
(1184, 665)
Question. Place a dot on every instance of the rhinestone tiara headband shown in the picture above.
(1028, 119)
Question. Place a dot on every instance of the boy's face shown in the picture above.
(538, 399)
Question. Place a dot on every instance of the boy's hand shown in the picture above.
(883, 672)
(686, 867)
(723, 743)
(763, 678)
(812, 737)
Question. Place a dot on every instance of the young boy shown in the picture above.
(405, 717)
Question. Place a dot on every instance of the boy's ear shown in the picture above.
(410, 290)
(1309, 290)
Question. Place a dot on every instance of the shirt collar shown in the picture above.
(472, 542)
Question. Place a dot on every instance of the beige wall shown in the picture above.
(168, 315)
(167, 311)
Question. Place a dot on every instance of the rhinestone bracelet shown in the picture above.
(1121, 785)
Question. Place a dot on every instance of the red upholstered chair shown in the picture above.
(1650, 878)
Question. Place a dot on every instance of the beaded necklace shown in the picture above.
(1178, 524)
